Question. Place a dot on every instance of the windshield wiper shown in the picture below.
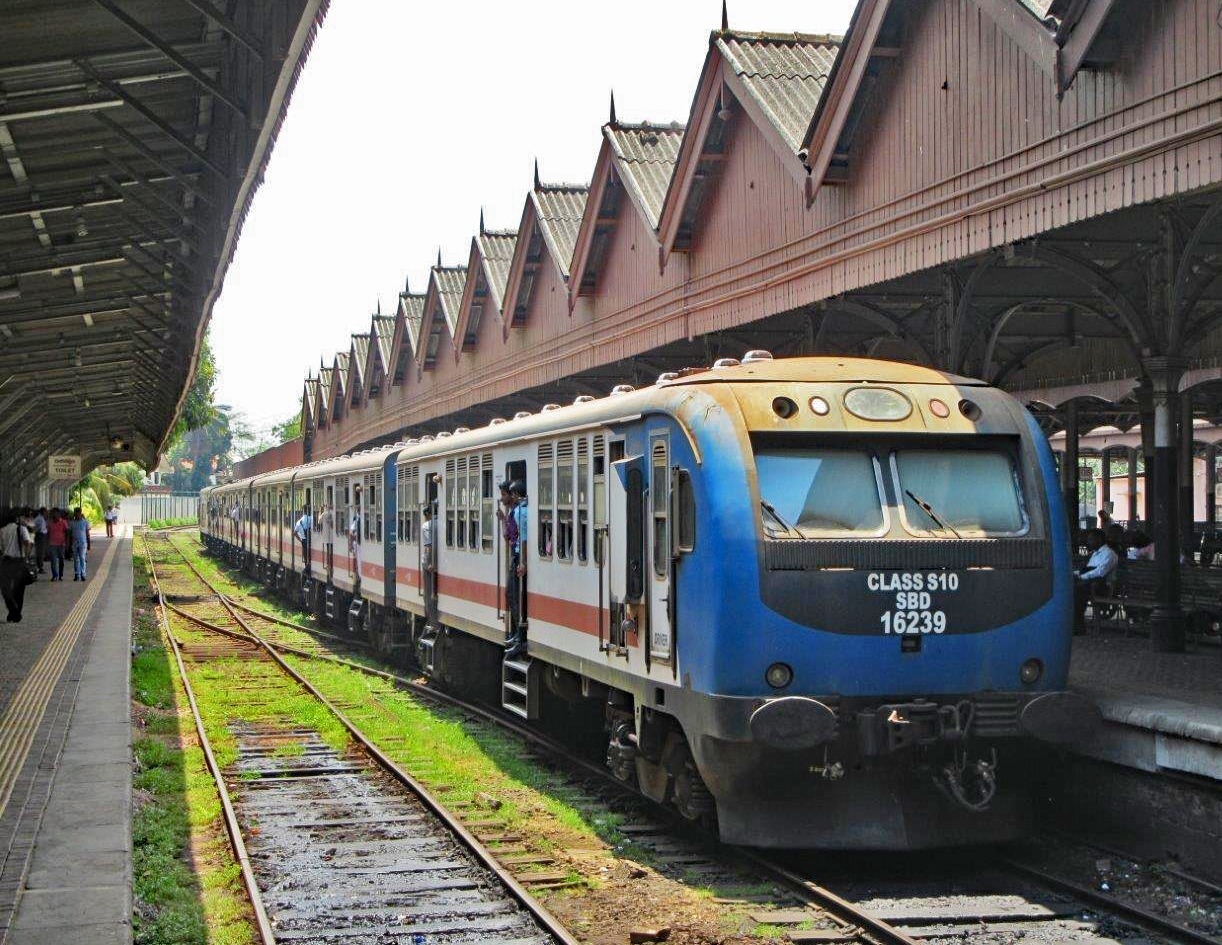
(928, 510)
(767, 507)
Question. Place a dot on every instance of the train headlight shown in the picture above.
(1031, 671)
(939, 409)
(819, 406)
(778, 676)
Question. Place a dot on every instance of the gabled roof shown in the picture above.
(381, 340)
(777, 80)
(550, 222)
(637, 159)
(441, 307)
(325, 376)
(358, 360)
(407, 333)
(487, 273)
(309, 404)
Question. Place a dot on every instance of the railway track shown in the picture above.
(979, 899)
(335, 845)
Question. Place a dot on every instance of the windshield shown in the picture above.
(818, 493)
(970, 493)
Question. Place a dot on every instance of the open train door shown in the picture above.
(661, 571)
(626, 541)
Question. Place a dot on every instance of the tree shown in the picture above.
(104, 485)
(199, 409)
(287, 430)
(202, 453)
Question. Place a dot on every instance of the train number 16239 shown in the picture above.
(914, 608)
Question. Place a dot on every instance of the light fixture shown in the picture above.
(779, 675)
(82, 229)
(88, 319)
(76, 357)
(939, 409)
(116, 443)
(820, 406)
(1031, 671)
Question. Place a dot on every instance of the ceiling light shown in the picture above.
(88, 320)
(8, 332)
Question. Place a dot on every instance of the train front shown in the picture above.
(892, 594)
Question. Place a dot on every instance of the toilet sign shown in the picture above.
(64, 467)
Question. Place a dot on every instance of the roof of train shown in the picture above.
(622, 404)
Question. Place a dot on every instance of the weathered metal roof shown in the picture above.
(134, 136)
(325, 376)
(559, 208)
(360, 355)
(412, 307)
(496, 251)
(383, 331)
(785, 74)
(645, 156)
(450, 281)
(341, 370)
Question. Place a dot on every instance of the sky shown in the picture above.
(408, 119)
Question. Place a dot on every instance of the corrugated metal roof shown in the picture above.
(450, 283)
(413, 312)
(360, 352)
(1040, 8)
(383, 329)
(645, 156)
(785, 73)
(496, 250)
(341, 369)
(559, 209)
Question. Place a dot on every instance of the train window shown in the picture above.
(564, 500)
(545, 499)
(819, 493)
(959, 493)
(487, 493)
(634, 538)
(583, 499)
(600, 496)
(474, 498)
(659, 489)
(460, 511)
(451, 487)
(685, 512)
(373, 507)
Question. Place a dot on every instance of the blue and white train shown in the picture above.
(821, 602)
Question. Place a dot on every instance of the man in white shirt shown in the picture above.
(302, 530)
(1094, 578)
(40, 540)
(428, 564)
(14, 575)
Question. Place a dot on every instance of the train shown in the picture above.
(813, 602)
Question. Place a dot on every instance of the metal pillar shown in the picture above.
(1132, 473)
(1106, 481)
(1211, 485)
(1145, 413)
(1187, 457)
(1069, 469)
(1167, 618)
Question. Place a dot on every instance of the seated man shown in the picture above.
(1094, 577)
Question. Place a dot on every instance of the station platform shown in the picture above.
(65, 757)
(1162, 711)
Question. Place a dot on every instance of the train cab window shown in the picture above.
(685, 512)
(583, 500)
(819, 493)
(959, 493)
(373, 507)
(659, 490)
(407, 497)
(487, 500)
(451, 494)
(564, 500)
(474, 498)
(461, 503)
(546, 498)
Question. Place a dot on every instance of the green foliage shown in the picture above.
(290, 429)
(201, 453)
(104, 486)
(156, 523)
(199, 409)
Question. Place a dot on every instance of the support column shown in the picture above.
(1106, 481)
(1069, 469)
(1145, 413)
(1211, 485)
(1133, 453)
(1185, 478)
(1167, 619)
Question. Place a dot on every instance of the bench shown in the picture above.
(1133, 592)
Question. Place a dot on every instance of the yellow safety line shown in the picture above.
(24, 714)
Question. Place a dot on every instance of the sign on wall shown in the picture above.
(64, 467)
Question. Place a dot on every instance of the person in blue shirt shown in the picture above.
(519, 516)
(79, 529)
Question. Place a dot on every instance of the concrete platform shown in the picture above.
(65, 758)
(1163, 711)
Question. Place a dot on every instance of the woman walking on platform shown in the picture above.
(57, 543)
(80, 543)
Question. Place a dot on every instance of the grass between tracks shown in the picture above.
(614, 883)
(188, 889)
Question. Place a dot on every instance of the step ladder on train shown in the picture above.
(356, 615)
(330, 603)
(426, 650)
(520, 686)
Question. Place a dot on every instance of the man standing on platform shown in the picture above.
(40, 540)
(14, 575)
(111, 516)
(517, 571)
(429, 565)
(79, 528)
